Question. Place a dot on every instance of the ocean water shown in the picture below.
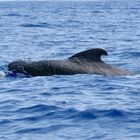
(74, 107)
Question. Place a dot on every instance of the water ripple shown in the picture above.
(43, 129)
(37, 108)
(39, 25)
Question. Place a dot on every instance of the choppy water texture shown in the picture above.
(78, 107)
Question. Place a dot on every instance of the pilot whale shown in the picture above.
(85, 62)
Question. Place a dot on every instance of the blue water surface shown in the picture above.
(77, 107)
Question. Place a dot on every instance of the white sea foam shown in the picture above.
(2, 74)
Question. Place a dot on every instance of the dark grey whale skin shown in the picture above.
(86, 62)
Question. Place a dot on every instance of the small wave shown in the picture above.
(37, 108)
(97, 12)
(53, 112)
(134, 54)
(95, 114)
(15, 15)
(50, 112)
(114, 113)
(5, 122)
(39, 25)
(43, 129)
(84, 115)
(67, 114)
(130, 54)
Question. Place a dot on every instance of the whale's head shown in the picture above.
(16, 64)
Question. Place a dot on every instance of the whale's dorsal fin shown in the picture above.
(90, 55)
